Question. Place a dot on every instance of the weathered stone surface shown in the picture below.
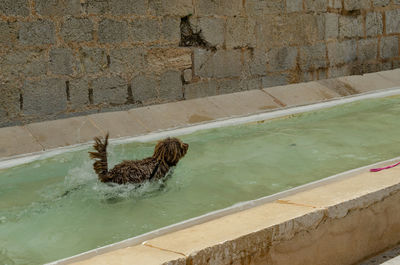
(128, 7)
(212, 29)
(397, 2)
(78, 92)
(62, 61)
(275, 80)
(367, 49)
(93, 59)
(145, 30)
(316, 5)
(393, 21)
(294, 5)
(256, 62)
(381, 2)
(313, 57)
(334, 72)
(187, 75)
(219, 7)
(14, 7)
(280, 59)
(261, 8)
(389, 47)
(97, 7)
(240, 32)
(342, 52)
(200, 89)
(356, 4)
(127, 60)
(145, 88)
(77, 29)
(44, 97)
(29, 62)
(335, 3)
(58, 7)
(110, 90)
(172, 7)
(350, 27)
(228, 86)
(374, 24)
(8, 33)
(171, 85)
(9, 101)
(160, 59)
(251, 84)
(170, 28)
(37, 33)
(113, 31)
(220, 64)
(331, 25)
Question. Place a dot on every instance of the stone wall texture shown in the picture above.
(68, 57)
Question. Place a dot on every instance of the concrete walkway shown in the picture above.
(390, 257)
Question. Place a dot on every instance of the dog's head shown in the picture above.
(170, 151)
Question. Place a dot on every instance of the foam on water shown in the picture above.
(54, 208)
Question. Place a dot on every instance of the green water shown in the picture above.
(223, 167)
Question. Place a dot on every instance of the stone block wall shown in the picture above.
(68, 57)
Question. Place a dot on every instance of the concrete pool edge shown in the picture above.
(378, 191)
(34, 138)
(218, 123)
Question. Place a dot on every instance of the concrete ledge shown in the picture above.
(48, 135)
(342, 222)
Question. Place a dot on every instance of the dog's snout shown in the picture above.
(186, 146)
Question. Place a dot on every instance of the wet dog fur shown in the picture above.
(167, 154)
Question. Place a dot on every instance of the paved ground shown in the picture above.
(390, 257)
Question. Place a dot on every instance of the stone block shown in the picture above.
(97, 6)
(172, 7)
(219, 64)
(316, 5)
(294, 5)
(240, 32)
(381, 2)
(272, 80)
(128, 7)
(62, 61)
(160, 59)
(280, 59)
(350, 27)
(29, 62)
(171, 85)
(367, 49)
(127, 60)
(256, 62)
(145, 88)
(342, 52)
(37, 33)
(334, 72)
(256, 8)
(212, 29)
(9, 101)
(397, 2)
(251, 84)
(187, 75)
(93, 60)
(45, 97)
(145, 30)
(313, 57)
(356, 4)
(170, 28)
(374, 24)
(200, 89)
(8, 33)
(78, 92)
(335, 4)
(331, 25)
(111, 31)
(228, 86)
(77, 29)
(14, 7)
(393, 21)
(58, 7)
(109, 90)
(389, 47)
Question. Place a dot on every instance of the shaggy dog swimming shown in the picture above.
(167, 154)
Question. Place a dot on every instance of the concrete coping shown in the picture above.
(38, 138)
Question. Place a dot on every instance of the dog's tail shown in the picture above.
(101, 165)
